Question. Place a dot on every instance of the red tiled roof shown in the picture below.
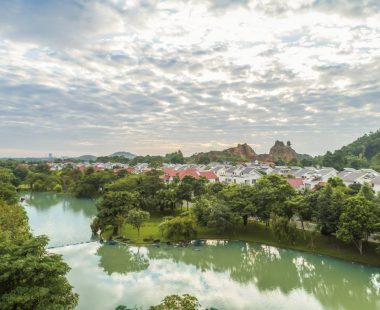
(209, 175)
(188, 172)
(295, 182)
(170, 172)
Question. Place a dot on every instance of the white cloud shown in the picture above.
(151, 76)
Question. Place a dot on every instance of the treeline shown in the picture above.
(38, 177)
(351, 213)
(362, 153)
(143, 193)
(30, 277)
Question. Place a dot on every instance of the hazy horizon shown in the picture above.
(152, 77)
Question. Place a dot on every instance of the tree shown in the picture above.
(8, 193)
(357, 220)
(283, 230)
(185, 190)
(167, 199)
(214, 213)
(300, 206)
(30, 277)
(329, 207)
(184, 302)
(240, 200)
(113, 206)
(178, 227)
(137, 218)
(270, 193)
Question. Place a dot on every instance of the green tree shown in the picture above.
(167, 199)
(240, 200)
(136, 218)
(299, 205)
(178, 227)
(329, 207)
(270, 193)
(8, 193)
(114, 205)
(214, 213)
(357, 220)
(185, 190)
(283, 230)
(184, 302)
(30, 277)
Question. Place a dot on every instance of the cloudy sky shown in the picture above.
(79, 77)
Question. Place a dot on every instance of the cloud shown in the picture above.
(152, 77)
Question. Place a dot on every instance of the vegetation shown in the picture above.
(184, 302)
(137, 217)
(227, 211)
(30, 277)
(362, 153)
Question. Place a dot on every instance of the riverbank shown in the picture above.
(259, 233)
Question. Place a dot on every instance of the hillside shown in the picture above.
(364, 152)
(123, 154)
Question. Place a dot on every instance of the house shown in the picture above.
(170, 173)
(296, 183)
(358, 176)
(240, 175)
(375, 182)
(318, 177)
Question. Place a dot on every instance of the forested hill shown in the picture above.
(362, 153)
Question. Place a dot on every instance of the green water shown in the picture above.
(225, 275)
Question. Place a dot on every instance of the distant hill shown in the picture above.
(86, 157)
(123, 154)
(364, 152)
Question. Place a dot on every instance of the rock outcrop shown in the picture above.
(280, 151)
(243, 151)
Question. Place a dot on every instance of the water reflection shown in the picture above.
(63, 218)
(122, 259)
(334, 283)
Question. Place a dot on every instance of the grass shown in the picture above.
(259, 233)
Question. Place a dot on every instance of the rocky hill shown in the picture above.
(243, 152)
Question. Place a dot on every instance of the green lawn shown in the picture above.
(259, 233)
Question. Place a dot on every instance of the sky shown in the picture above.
(152, 77)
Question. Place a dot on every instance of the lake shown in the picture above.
(221, 274)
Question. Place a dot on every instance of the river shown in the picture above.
(233, 275)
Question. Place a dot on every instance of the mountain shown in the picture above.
(243, 152)
(123, 154)
(86, 157)
(364, 152)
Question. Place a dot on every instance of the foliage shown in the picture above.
(179, 227)
(240, 200)
(137, 217)
(362, 153)
(271, 193)
(214, 213)
(184, 302)
(357, 221)
(30, 277)
(283, 230)
(329, 208)
(113, 207)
